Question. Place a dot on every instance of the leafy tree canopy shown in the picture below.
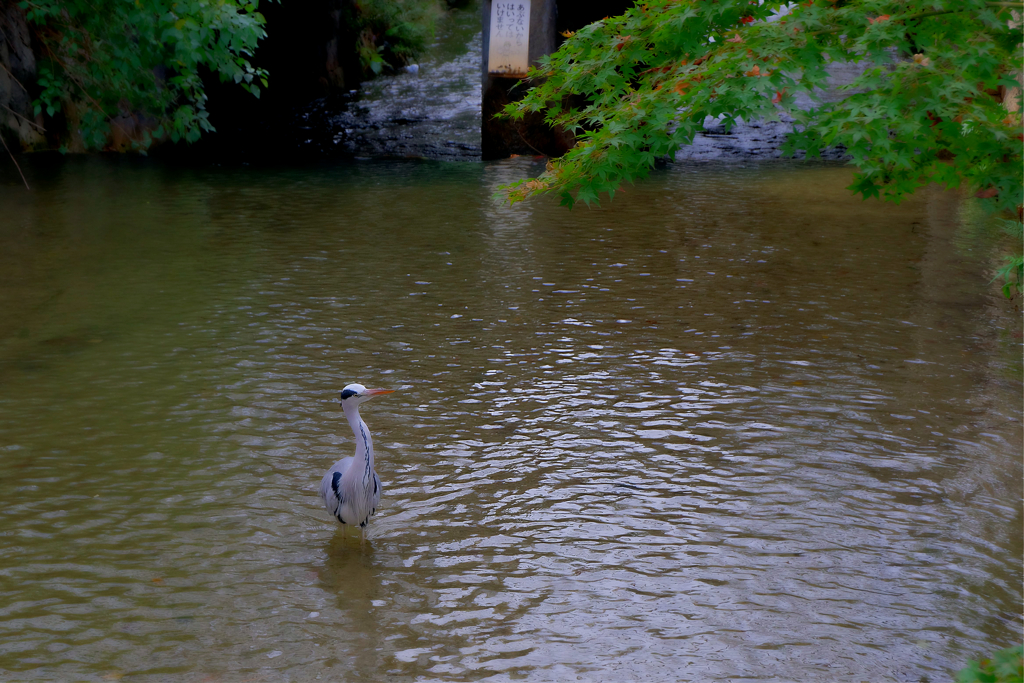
(928, 107)
(106, 61)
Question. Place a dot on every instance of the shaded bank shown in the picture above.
(318, 55)
(324, 99)
(429, 110)
(123, 77)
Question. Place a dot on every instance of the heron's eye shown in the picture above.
(347, 393)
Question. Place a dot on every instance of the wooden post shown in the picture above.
(499, 139)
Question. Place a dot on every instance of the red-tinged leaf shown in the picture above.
(747, 20)
(987, 193)
(735, 39)
(778, 96)
(756, 71)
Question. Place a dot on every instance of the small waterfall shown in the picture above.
(430, 110)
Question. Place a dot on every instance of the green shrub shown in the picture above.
(1005, 666)
(118, 74)
(393, 32)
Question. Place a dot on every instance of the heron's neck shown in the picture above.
(363, 465)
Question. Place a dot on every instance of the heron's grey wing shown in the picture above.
(330, 487)
(377, 490)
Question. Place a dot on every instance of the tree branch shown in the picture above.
(934, 13)
(15, 163)
(27, 120)
(14, 77)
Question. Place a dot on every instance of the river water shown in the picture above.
(734, 425)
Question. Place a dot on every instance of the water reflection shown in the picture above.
(734, 424)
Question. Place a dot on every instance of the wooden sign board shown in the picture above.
(509, 53)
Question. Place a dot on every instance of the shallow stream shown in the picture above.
(734, 425)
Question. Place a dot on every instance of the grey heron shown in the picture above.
(351, 488)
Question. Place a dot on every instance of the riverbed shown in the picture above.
(734, 424)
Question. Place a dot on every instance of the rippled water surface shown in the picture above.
(735, 425)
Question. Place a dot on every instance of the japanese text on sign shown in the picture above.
(509, 53)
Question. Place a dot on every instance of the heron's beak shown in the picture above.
(378, 392)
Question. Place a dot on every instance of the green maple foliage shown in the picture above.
(105, 59)
(937, 101)
(1005, 666)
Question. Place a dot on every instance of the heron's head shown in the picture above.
(354, 394)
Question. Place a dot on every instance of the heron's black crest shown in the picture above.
(345, 394)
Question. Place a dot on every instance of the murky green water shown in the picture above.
(734, 425)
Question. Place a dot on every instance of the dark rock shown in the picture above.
(20, 128)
